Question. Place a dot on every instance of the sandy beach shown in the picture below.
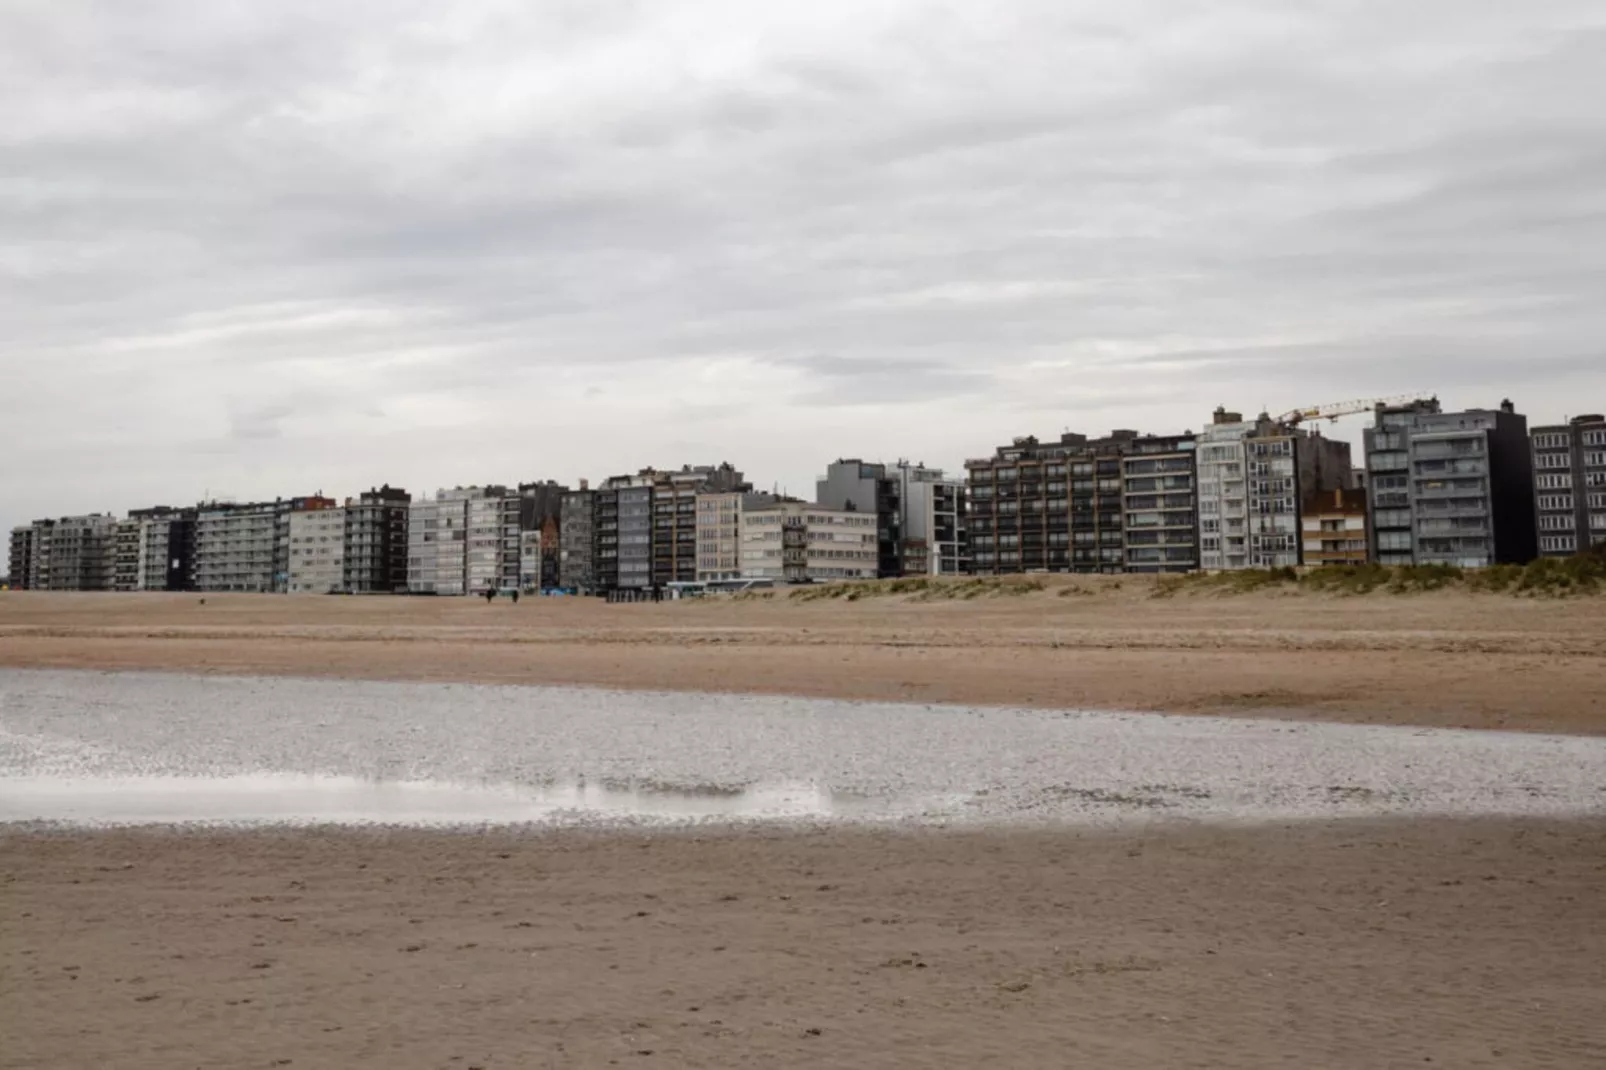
(1361, 942)
(1322, 945)
(1453, 659)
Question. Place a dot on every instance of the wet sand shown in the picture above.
(1451, 659)
(1317, 944)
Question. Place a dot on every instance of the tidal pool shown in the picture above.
(150, 748)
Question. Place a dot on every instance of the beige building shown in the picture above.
(799, 542)
(719, 531)
(1333, 528)
(317, 551)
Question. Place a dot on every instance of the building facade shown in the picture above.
(438, 541)
(246, 547)
(1254, 476)
(1450, 488)
(1049, 507)
(803, 542)
(167, 551)
(29, 557)
(1160, 496)
(1333, 528)
(317, 551)
(1570, 485)
(376, 541)
(235, 546)
(856, 485)
(933, 522)
(576, 539)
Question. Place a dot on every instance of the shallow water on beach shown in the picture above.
(146, 748)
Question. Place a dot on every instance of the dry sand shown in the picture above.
(1315, 945)
(1319, 944)
(1451, 659)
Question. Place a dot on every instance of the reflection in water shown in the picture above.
(274, 798)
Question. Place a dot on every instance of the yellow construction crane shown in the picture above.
(1345, 408)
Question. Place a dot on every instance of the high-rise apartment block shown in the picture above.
(1159, 486)
(1253, 477)
(1569, 472)
(167, 550)
(803, 542)
(639, 531)
(376, 541)
(246, 547)
(1050, 507)
(577, 537)
(317, 551)
(439, 541)
(859, 486)
(720, 515)
(1451, 488)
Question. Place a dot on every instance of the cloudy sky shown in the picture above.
(256, 249)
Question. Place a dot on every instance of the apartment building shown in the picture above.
(1333, 528)
(1569, 465)
(933, 521)
(605, 555)
(1453, 488)
(576, 539)
(633, 497)
(637, 531)
(541, 510)
(804, 542)
(376, 541)
(246, 546)
(235, 546)
(126, 550)
(1160, 499)
(167, 550)
(1253, 477)
(1049, 507)
(860, 486)
(70, 553)
(454, 541)
(485, 542)
(317, 557)
(28, 559)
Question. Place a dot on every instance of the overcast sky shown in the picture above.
(255, 249)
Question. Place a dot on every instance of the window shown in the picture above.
(1595, 438)
(1597, 501)
(1591, 479)
(1595, 460)
(1556, 482)
(1558, 544)
(1551, 442)
(1393, 518)
(1555, 523)
(1553, 460)
(1394, 540)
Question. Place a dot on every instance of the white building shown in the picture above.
(1224, 493)
(1253, 477)
(235, 547)
(530, 561)
(317, 551)
(719, 531)
(455, 541)
(801, 541)
(935, 539)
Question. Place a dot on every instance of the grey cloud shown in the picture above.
(549, 237)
